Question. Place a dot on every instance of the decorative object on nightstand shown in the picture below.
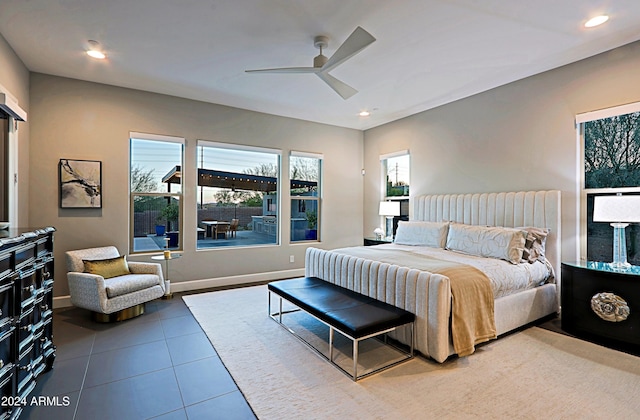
(601, 303)
(166, 256)
(620, 210)
(389, 209)
(378, 232)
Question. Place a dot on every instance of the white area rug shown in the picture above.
(528, 375)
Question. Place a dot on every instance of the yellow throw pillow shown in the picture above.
(108, 268)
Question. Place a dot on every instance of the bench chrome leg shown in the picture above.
(331, 344)
(355, 359)
(280, 313)
(413, 335)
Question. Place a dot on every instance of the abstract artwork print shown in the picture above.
(80, 183)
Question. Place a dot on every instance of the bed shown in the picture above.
(382, 272)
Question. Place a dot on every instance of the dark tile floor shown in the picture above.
(159, 365)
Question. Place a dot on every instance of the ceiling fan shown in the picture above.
(356, 42)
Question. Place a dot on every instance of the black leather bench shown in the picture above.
(354, 315)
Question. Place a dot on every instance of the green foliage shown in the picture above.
(398, 190)
(170, 213)
(254, 201)
(312, 219)
(243, 198)
(143, 203)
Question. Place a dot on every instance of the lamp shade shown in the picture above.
(616, 208)
(389, 208)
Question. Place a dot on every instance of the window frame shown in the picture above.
(317, 198)
(202, 143)
(384, 173)
(178, 195)
(583, 192)
(402, 199)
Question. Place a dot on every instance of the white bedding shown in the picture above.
(428, 295)
(506, 278)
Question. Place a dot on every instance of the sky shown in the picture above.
(163, 156)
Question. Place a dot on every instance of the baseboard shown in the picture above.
(187, 286)
(62, 302)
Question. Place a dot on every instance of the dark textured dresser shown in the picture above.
(26, 314)
(601, 304)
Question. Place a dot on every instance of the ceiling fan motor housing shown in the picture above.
(321, 42)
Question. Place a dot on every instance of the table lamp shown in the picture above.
(619, 210)
(389, 209)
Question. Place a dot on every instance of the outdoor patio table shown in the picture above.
(212, 227)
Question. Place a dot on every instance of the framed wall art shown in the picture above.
(80, 183)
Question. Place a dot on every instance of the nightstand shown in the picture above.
(601, 304)
(374, 241)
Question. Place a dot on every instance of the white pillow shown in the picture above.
(485, 241)
(433, 234)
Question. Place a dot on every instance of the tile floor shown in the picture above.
(159, 365)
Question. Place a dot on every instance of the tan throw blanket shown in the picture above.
(472, 316)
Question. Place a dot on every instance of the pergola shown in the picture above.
(234, 181)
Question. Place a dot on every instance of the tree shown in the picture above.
(142, 181)
(255, 198)
(612, 152)
(304, 169)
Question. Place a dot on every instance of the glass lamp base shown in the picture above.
(389, 227)
(619, 247)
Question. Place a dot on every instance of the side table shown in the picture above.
(377, 241)
(166, 257)
(601, 304)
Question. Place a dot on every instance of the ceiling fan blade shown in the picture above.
(356, 42)
(341, 88)
(286, 70)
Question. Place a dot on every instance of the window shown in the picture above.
(610, 141)
(395, 185)
(237, 195)
(156, 192)
(395, 171)
(305, 175)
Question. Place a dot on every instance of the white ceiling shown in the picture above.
(427, 53)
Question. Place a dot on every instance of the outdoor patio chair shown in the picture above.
(222, 228)
(233, 227)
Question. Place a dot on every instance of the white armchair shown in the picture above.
(116, 298)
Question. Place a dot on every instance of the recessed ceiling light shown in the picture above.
(94, 50)
(595, 21)
(364, 113)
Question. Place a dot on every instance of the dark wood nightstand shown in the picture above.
(374, 241)
(602, 305)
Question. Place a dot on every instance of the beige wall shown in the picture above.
(516, 137)
(81, 120)
(521, 136)
(14, 78)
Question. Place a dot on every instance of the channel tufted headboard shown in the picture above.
(508, 209)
